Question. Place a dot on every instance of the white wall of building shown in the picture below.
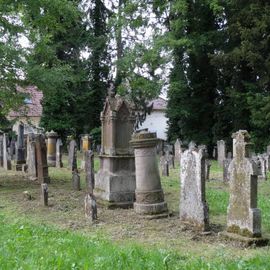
(156, 122)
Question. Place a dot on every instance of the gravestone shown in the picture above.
(208, 164)
(193, 206)
(59, 149)
(221, 152)
(177, 150)
(1, 149)
(149, 193)
(20, 150)
(44, 194)
(86, 145)
(12, 148)
(164, 165)
(76, 183)
(89, 171)
(263, 168)
(90, 207)
(244, 218)
(72, 155)
(51, 148)
(115, 181)
(41, 157)
(226, 175)
(31, 157)
(6, 158)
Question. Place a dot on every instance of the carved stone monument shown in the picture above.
(193, 206)
(149, 193)
(115, 181)
(244, 218)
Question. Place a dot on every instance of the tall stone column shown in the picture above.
(51, 146)
(149, 194)
(41, 156)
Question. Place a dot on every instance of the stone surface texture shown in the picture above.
(31, 157)
(221, 152)
(59, 150)
(244, 218)
(149, 193)
(193, 206)
(41, 156)
(51, 148)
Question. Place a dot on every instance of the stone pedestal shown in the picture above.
(149, 193)
(51, 148)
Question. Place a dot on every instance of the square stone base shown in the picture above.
(115, 182)
(151, 209)
(243, 240)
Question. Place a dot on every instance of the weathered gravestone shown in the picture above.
(41, 157)
(193, 206)
(115, 181)
(76, 180)
(226, 163)
(72, 155)
(59, 146)
(177, 150)
(51, 148)
(20, 150)
(86, 145)
(149, 193)
(164, 165)
(89, 171)
(6, 158)
(263, 167)
(244, 218)
(44, 194)
(90, 207)
(31, 157)
(12, 148)
(1, 148)
(221, 152)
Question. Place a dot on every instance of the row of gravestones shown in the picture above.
(244, 218)
(224, 160)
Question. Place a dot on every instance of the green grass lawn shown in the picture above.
(59, 237)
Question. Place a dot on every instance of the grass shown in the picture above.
(59, 237)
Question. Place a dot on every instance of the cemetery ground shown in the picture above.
(59, 237)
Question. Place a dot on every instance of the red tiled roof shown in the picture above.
(33, 109)
(159, 104)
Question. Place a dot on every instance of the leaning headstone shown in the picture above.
(41, 156)
(59, 146)
(76, 183)
(149, 193)
(90, 207)
(193, 206)
(1, 148)
(89, 171)
(6, 158)
(44, 194)
(244, 218)
(221, 152)
(20, 150)
(31, 157)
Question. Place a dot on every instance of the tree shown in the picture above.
(73, 85)
(192, 93)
